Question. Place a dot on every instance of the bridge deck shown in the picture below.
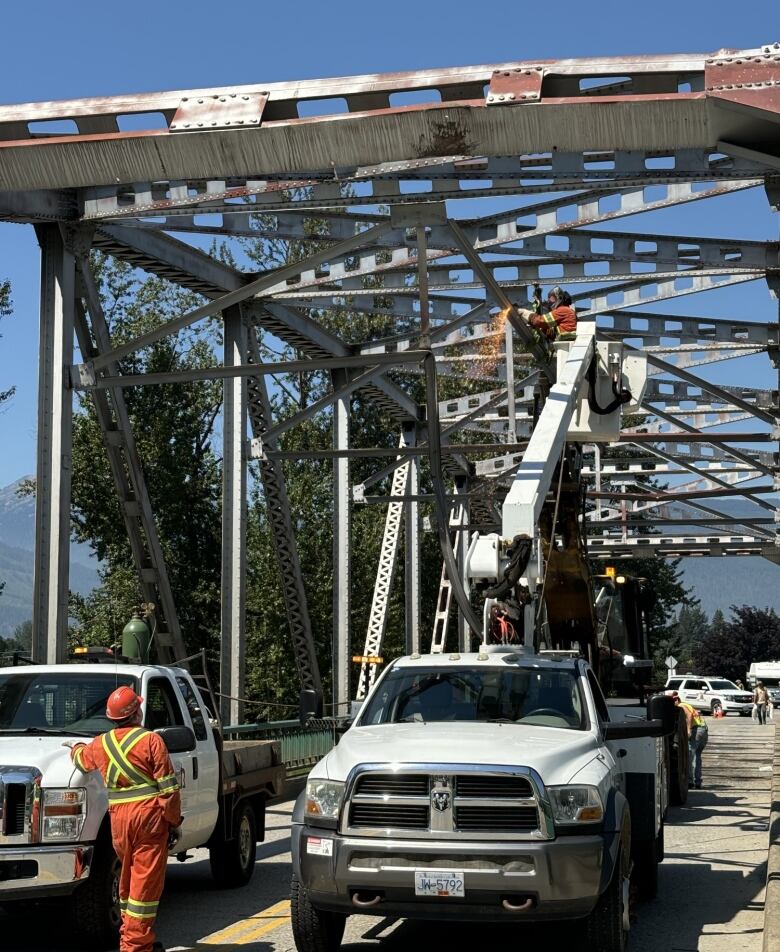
(710, 885)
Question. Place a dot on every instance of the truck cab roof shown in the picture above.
(131, 670)
(491, 656)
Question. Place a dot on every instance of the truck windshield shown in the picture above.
(58, 703)
(538, 696)
(723, 685)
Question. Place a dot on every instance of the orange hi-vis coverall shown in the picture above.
(558, 324)
(144, 805)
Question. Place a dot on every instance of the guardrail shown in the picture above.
(772, 896)
(301, 745)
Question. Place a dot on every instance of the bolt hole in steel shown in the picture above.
(245, 841)
(365, 902)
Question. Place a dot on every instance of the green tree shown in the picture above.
(683, 639)
(752, 634)
(174, 429)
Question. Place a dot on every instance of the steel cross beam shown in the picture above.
(728, 97)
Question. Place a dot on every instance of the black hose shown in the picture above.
(519, 552)
(441, 507)
(622, 396)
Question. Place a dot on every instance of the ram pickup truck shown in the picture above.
(54, 828)
(491, 786)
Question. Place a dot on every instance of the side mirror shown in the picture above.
(627, 730)
(178, 740)
(661, 707)
(311, 705)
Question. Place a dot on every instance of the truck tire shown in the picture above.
(94, 906)
(647, 856)
(313, 929)
(678, 773)
(608, 923)
(233, 861)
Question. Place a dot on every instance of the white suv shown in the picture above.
(711, 694)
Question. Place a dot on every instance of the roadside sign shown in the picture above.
(671, 662)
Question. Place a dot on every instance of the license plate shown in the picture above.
(439, 883)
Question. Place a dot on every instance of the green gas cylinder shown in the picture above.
(136, 639)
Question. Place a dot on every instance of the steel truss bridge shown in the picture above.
(441, 197)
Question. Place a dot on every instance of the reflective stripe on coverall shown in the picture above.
(144, 804)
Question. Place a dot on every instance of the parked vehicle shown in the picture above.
(491, 786)
(54, 829)
(769, 673)
(711, 695)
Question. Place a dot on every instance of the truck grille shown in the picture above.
(389, 815)
(393, 785)
(419, 804)
(15, 797)
(20, 793)
(514, 819)
(493, 788)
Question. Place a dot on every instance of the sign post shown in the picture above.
(671, 664)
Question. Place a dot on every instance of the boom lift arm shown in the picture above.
(525, 575)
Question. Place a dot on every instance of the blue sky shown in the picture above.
(59, 51)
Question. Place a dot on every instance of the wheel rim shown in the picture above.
(245, 841)
(114, 913)
(624, 901)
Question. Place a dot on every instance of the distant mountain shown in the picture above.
(720, 582)
(17, 547)
(733, 580)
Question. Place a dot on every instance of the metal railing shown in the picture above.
(301, 745)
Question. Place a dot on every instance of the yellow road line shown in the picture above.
(252, 928)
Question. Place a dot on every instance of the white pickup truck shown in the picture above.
(491, 786)
(54, 830)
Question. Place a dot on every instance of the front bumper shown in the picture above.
(42, 871)
(738, 706)
(563, 878)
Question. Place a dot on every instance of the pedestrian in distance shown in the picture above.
(698, 735)
(761, 700)
(144, 805)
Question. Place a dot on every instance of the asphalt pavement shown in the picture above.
(710, 896)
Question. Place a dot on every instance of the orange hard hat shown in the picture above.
(123, 703)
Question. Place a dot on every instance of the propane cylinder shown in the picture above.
(136, 639)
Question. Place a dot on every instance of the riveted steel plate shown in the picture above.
(219, 111)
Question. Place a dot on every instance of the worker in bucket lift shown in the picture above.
(558, 320)
(145, 809)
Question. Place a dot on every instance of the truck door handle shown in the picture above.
(194, 768)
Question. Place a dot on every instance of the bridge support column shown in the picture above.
(234, 522)
(342, 525)
(53, 471)
(412, 549)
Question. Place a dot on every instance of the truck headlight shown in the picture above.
(576, 804)
(64, 812)
(323, 799)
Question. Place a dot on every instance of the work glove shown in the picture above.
(174, 835)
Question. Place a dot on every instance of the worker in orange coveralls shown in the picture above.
(145, 809)
(558, 321)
